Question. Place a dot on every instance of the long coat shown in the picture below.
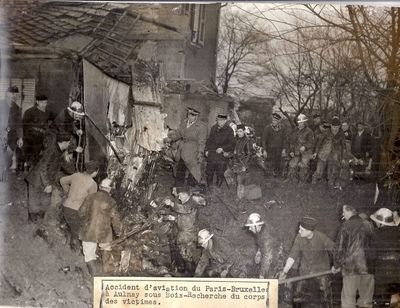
(100, 218)
(220, 138)
(192, 141)
(303, 137)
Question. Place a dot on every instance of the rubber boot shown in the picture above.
(93, 268)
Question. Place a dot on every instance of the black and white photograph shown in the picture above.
(238, 140)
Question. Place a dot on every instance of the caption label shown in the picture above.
(115, 292)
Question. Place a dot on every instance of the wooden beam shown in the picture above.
(143, 103)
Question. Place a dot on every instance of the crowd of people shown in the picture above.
(324, 151)
(45, 149)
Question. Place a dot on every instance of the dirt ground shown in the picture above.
(36, 273)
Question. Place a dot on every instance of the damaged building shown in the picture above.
(136, 68)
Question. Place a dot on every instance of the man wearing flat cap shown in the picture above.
(311, 250)
(191, 135)
(35, 123)
(219, 147)
(274, 145)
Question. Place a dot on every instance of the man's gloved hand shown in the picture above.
(48, 189)
(282, 275)
(219, 150)
(20, 142)
(335, 270)
(79, 132)
(302, 149)
(105, 246)
(257, 257)
(79, 150)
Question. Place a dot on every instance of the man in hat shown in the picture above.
(264, 244)
(301, 150)
(316, 122)
(353, 255)
(217, 255)
(274, 145)
(15, 130)
(191, 135)
(43, 177)
(311, 249)
(99, 219)
(386, 245)
(361, 150)
(70, 121)
(219, 147)
(77, 187)
(35, 123)
(330, 151)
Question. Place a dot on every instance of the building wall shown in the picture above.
(201, 61)
(53, 78)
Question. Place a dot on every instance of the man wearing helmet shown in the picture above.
(217, 255)
(387, 269)
(263, 243)
(99, 219)
(69, 122)
(301, 150)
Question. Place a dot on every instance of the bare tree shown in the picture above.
(240, 47)
(375, 36)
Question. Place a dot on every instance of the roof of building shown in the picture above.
(109, 33)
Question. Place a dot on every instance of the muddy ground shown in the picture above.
(36, 273)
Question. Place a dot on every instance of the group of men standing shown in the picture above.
(311, 151)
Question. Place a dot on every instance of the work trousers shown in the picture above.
(218, 167)
(73, 220)
(301, 164)
(333, 171)
(364, 284)
(180, 175)
(38, 200)
(273, 163)
(325, 287)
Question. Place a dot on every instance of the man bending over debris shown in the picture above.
(187, 228)
(99, 218)
(217, 255)
(263, 243)
(311, 249)
(78, 186)
(43, 177)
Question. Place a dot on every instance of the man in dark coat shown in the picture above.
(219, 147)
(44, 176)
(361, 150)
(69, 121)
(386, 245)
(191, 135)
(35, 123)
(14, 130)
(312, 250)
(264, 244)
(354, 256)
(99, 219)
(274, 145)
